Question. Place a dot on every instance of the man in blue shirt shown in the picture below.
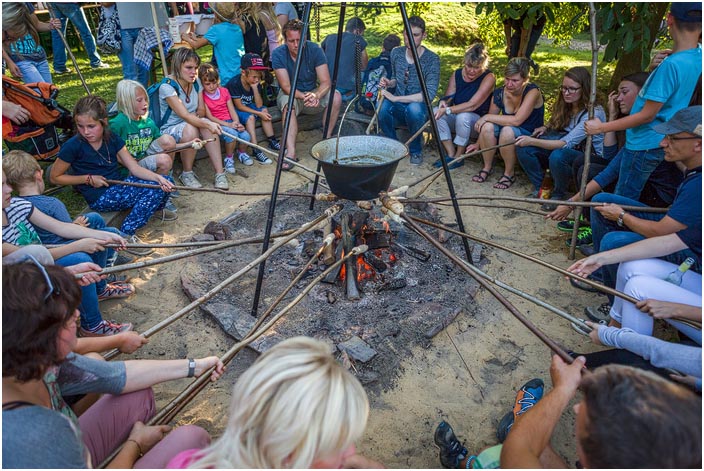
(313, 87)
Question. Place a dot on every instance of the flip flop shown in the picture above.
(505, 182)
(481, 176)
(288, 165)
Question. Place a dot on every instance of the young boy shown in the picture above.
(247, 95)
(26, 177)
(219, 109)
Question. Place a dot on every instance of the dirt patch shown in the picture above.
(467, 374)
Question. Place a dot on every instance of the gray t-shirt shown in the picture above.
(286, 8)
(313, 56)
(166, 91)
(38, 437)
(406, 76)
(346, 75)
(139, 14)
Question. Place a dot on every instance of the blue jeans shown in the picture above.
(90, 312)
(73, 12)
(126, 56)
(535, 159)
(606, 235)
(413, 115)
(636, 167)
(35, 71)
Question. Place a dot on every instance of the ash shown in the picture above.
(402, 308)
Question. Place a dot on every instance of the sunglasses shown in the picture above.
(51, 289)
(672, 137)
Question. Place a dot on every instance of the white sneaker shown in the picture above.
(244, 158)
(221, 182)
(230, 165)
(261, 158)
(190, 180)
(133, 239)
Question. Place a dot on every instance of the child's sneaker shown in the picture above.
(105, 329)
(451, 450)
(244, 159)
(528, 396)
(221, 181)
(116, 290)
(261, 158)
(230, 165)
(190, 180)
(274, 143)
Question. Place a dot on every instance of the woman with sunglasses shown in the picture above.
(39, 323)
(558, 144)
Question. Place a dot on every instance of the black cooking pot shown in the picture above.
(365, 165)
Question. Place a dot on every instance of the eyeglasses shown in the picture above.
(570, 90)
(51, 289)
(671, 137)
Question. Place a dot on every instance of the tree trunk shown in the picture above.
(632, 62)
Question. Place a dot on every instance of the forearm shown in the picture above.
(126, 458)
(647, 248)
(628, 122)
(531, 433)
(63, 250)
(503, 120)
(146, 373)
(69, 180)
(416, 97)
(644, 227)
(97, 344)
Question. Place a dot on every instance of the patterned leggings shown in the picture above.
(143, 202)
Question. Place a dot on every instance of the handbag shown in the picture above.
(109, 39)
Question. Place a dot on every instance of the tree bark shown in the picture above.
(631, 62)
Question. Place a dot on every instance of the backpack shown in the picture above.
(154, 104)
(376, 69)
(109, 39)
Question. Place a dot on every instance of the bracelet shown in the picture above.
(619, 221)
(191, 367)
(89, 180)
(139, 447)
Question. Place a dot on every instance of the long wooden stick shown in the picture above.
(177, 404)
(157, 31)
(499, 206)
(376, 115)
(398, 210)
(187, 146)
(222, 285)
(588, 141)
(417, 133)
(70, 54)
(562, 271)
(584, 204)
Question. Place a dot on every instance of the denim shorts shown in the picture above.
(243, 116)
(516, 131)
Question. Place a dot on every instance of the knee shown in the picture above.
(190, 132)
(337, 99)
(167, 142)
(487, 131)
(507, 134)
(164, 162)
(250, 121)
(191, 436)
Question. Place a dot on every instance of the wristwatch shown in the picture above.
(191, 367)
(448, 111)
(619, 221)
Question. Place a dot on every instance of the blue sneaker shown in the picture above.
(438, 164)
(528, 396)
(451, 450)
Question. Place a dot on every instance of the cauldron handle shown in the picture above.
(339, 130)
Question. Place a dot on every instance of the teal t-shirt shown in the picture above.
(672, 84)
(228, 48)
(138, 134)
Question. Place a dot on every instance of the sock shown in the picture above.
(229, 157)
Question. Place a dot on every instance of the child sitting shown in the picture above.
(377, 68)
(92, 157)
(225, 36)
(220, 110)
(246, 92)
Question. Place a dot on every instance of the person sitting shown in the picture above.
(517, 109)
(627, 418)
(378, 67)
(295, 407)
(668, 89)
(309, 99)
(181, 104)
(405, 106)
(353, 57)
(92, 157)
(39, 320)
(262, 33)
(142, 136)
(19, 218)
(220, 110)
(246, 92)
(556, 145)
(469, 92)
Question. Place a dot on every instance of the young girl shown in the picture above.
(21, 50)
(93, 156)
(247, 94)
(557, 145)
(184, 123)
(19, 218)
(220, 110)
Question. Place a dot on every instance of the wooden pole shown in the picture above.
(157, 31)
(70, 54)
(376, 115)
(588, 141)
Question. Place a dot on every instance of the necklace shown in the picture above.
(188, 92)
(105, 158)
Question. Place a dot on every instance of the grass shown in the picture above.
(450, 28)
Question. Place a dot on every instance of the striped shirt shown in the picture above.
(19, 231)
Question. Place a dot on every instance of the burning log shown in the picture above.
(348, 239)
(329, 252)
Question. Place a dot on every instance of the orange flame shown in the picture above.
(364, 270)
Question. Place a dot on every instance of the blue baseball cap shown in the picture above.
(687, 12)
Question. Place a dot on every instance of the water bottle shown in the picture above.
(546, 186)
(676, 276)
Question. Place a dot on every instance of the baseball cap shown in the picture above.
(252, 61)
(687, 12)
(685, 120)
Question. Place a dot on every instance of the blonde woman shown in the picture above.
(260, 28)
(295, 407)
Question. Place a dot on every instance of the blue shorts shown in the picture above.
(516, 131)
(244, 115)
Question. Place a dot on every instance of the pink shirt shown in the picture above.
(218, 106)
(184, 459)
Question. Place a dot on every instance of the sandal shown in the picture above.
(288, 165)
(481, 176)
(505, 182)
(115, 290)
